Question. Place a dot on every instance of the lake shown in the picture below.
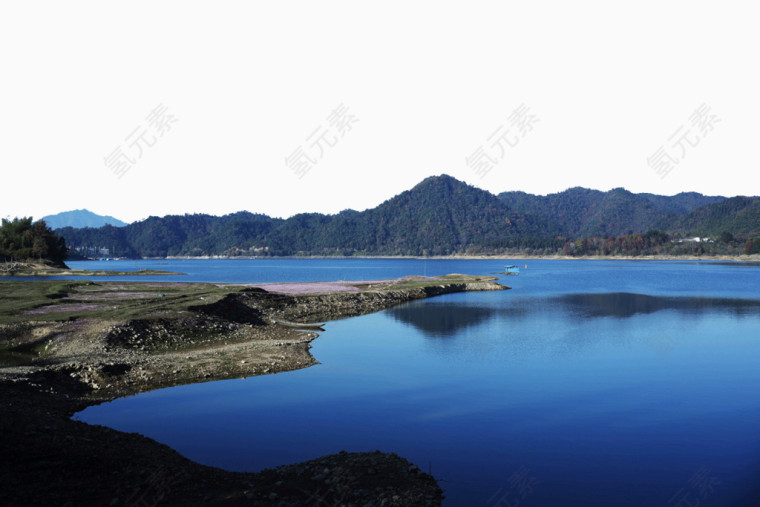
(589, 383)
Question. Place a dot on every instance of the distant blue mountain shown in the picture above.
(79, 219)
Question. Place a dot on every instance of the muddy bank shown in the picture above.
(149, 336)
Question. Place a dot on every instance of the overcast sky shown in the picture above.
(143, 108)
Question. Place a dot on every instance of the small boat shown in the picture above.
(512, 270)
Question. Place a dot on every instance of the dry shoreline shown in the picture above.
(85, 354)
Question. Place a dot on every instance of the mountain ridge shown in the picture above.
(439, 216)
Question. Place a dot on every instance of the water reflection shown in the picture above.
(441, 320)
(623, 305)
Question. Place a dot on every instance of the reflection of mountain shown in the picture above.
(623, 304)
(441, 319)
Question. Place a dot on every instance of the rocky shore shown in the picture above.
(66, 346)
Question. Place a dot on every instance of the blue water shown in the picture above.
(589, 383)
(272, 270)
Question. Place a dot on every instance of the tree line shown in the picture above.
(24, 240)
(444, 216)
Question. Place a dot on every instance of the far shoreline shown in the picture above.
(732, 258)
(32, 271)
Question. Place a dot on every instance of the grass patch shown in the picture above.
(49, 300)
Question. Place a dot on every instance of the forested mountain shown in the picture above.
(441, 216)
(737, 215)
(175, 235)
(438, 216)
(580, 212)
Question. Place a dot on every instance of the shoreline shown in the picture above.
(163, 334)
(732, 258)
(32, 269)
(88, 272)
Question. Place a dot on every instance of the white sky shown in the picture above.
(429, 82)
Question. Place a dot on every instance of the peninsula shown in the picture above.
(66, 345)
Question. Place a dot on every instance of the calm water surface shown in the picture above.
(589, 383)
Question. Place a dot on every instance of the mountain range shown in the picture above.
(439, 216)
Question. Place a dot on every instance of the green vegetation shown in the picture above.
(583, 213)
(444, 216)
(739, 215)
(48, 300)
(752, 246)
(22, 240)
(651, 243)
(35, 269)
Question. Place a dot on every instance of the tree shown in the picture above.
(21, 240)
